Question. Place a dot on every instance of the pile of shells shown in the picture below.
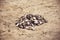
(29, 21)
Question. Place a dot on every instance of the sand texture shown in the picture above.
(11, 10)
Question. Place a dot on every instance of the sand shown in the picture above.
(11, 10)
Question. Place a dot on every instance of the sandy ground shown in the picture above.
(11, 10)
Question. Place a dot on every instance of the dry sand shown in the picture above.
(11, 10)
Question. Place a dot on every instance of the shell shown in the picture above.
(35, 22)
(29, 16)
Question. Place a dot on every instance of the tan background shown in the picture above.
(10, 10)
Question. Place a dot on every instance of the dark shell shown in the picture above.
(35, 22)
(38, 17)
(29, 16)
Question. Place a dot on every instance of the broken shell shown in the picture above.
(34, 18)
(35, 22)
(23, 25)
(26, 20)
(17, 24)
(38, 17)
(28, 23)
(43, 20)
(29, 16)
(22, 18)
(30, 28)
(40, 22)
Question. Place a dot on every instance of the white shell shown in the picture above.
(26, 20)
(17, 24)
(34, 17)
(35, 21)
(41, 22)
